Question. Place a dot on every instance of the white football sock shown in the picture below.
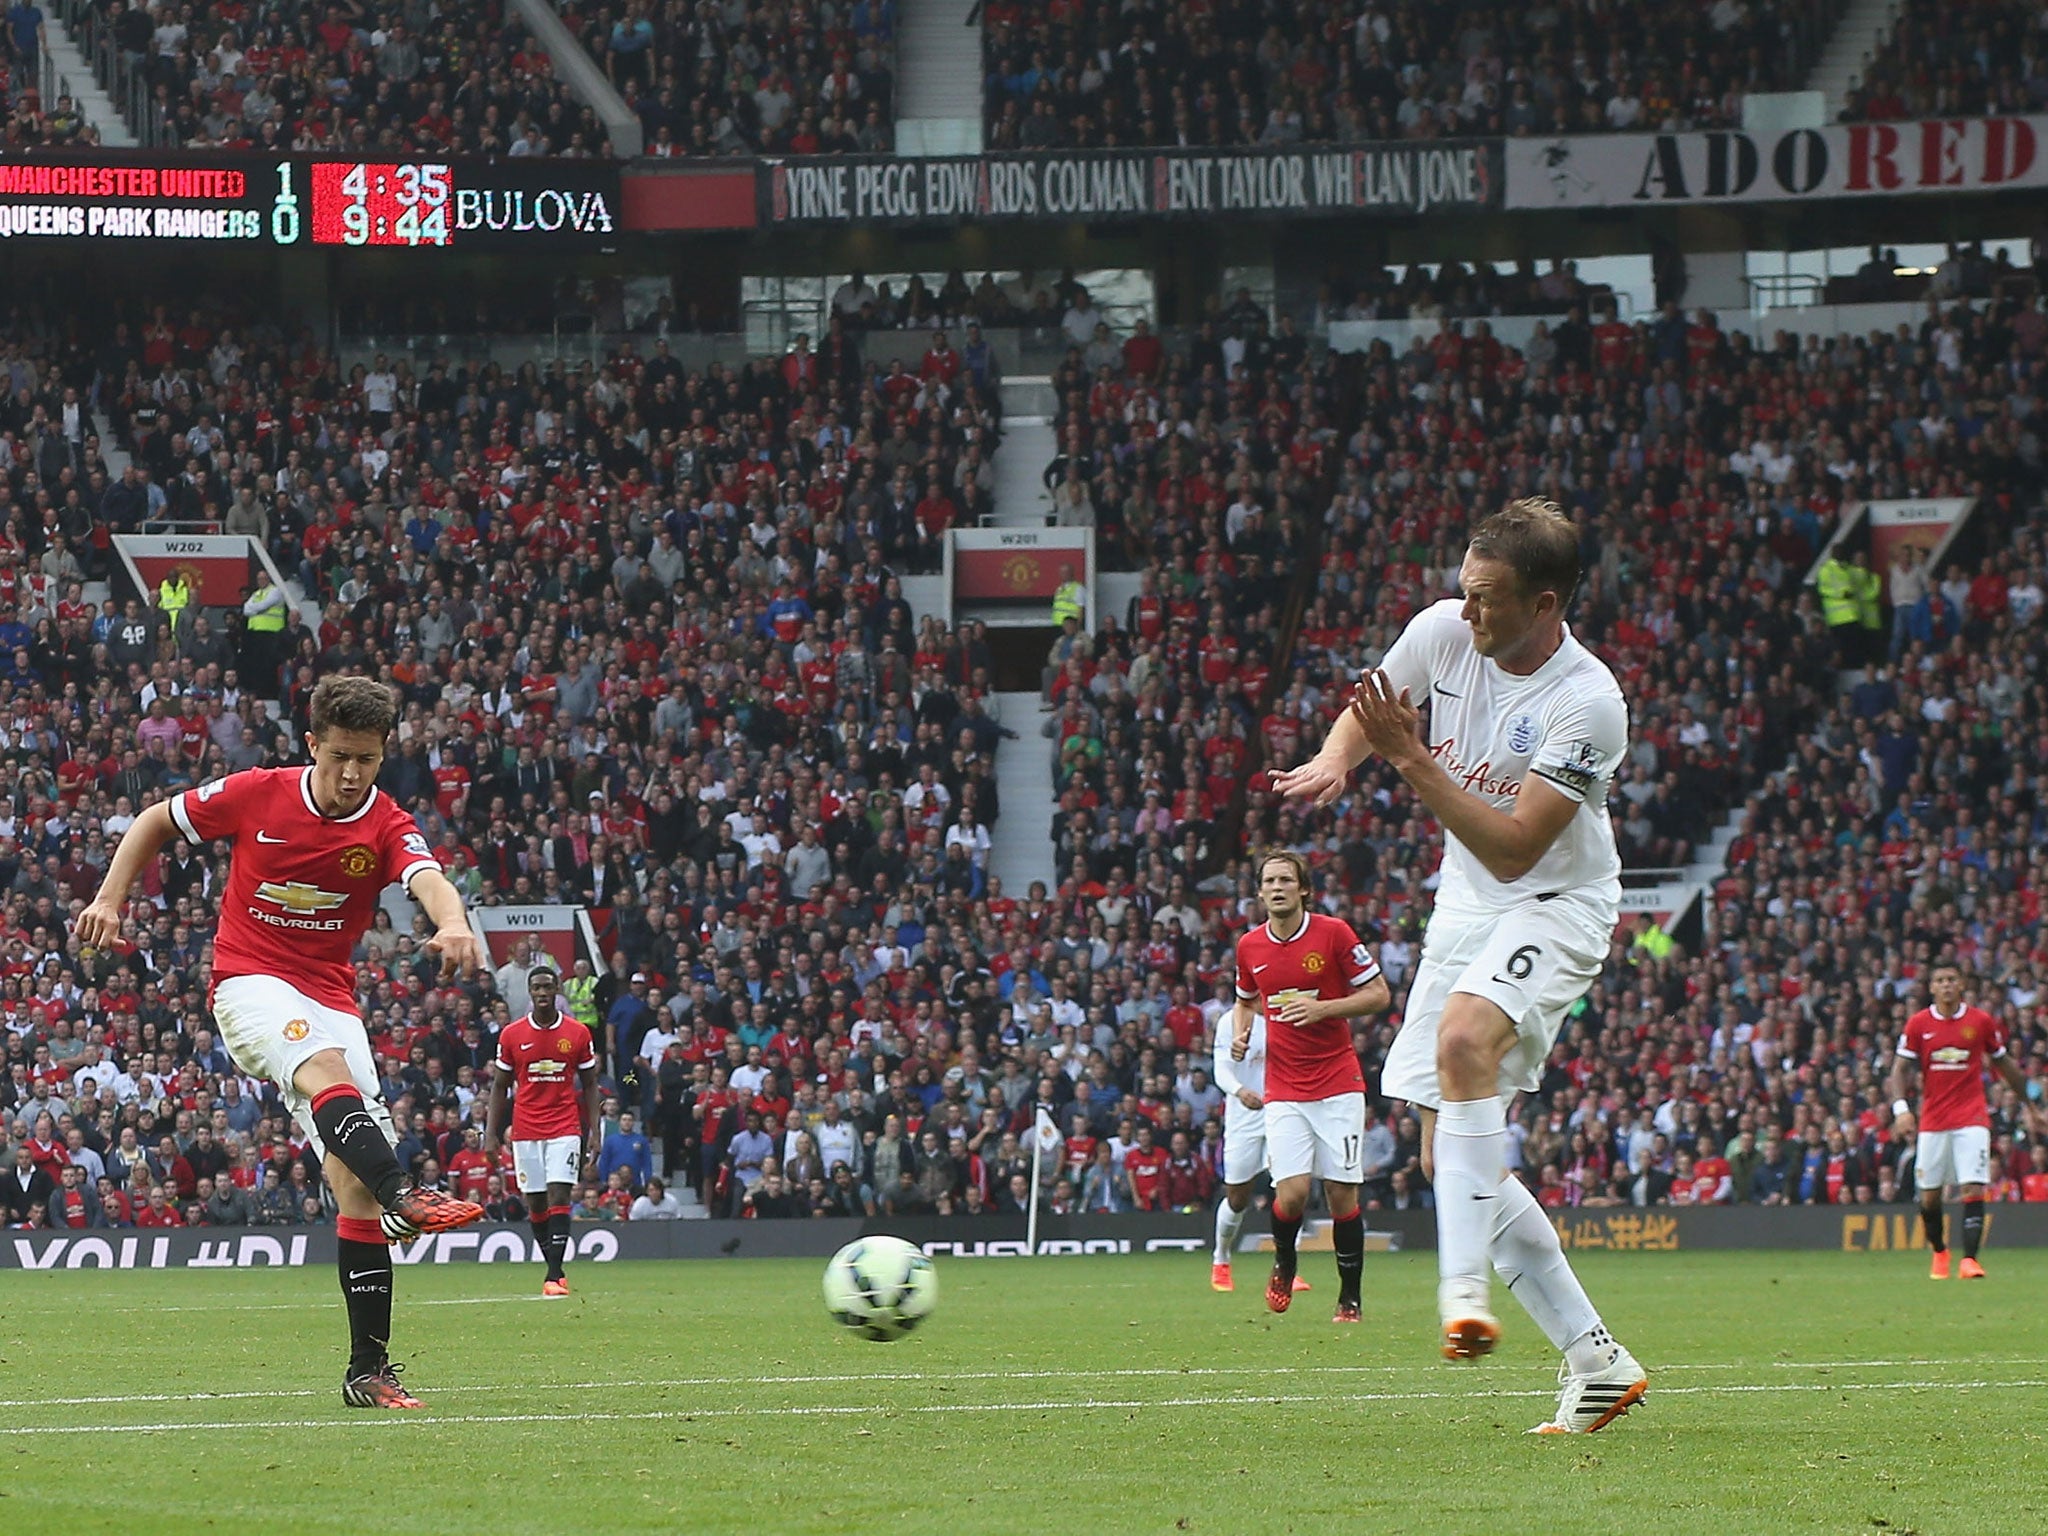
(1470, 1138)
(1228, 1224)
(1531, 1260)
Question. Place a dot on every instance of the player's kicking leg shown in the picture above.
(1237, 1199)
(377, 1204)
(1484, 1214)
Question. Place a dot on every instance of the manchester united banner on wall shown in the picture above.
(1398, 179)
(1626, 170)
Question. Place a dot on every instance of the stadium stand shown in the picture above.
(1093, 74)
(879, 1000)
(454, 79)
(739, 79)
(1956, 61)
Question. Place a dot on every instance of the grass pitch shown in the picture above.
(1789, 1393)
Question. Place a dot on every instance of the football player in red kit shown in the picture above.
(313, 849)
(549, 1064)
(1950, 1043)
(1310, 977)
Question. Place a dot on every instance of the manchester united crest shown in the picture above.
(561, 1042)
(1020, 572)
(296, 1030)
(1312, 963)
(358, 861)
(1969, 1034)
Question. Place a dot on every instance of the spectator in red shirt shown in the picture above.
(1145, 1168)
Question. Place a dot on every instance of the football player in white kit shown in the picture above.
(1244, 1144)
(1526, 729)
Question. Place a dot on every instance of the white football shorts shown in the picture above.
(270, 1028)
(1534, 963)
(1244, 1143)
(1942, 1158)
(1323, 1137)
(541, 1163)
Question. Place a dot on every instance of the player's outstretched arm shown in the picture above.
(1323, 777)
(100, 923)
(454, 940)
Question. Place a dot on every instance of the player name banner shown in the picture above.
(1626, 170)
(1405, 180)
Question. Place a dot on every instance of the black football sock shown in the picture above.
(344, 1123)
(1930, 1219)
(1285, 1230)
(1973, 1227)
(1347, 1233)
(364, 1264)
(540, 1224)
(558, 1240)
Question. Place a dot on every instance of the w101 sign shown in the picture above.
(1988, 154)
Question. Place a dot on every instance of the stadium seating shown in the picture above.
(457, 79)
(906, 991)
(1956, 61)
(749, 78)
(1094, 74)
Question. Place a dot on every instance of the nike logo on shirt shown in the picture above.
(263, 837)
(1447, 692)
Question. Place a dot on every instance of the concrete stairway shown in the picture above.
(938, 78)
(1862, 29)
(1020, 845)
(1029, 443)
(72, 75)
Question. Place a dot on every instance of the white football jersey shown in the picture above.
(1251, 1072)
(1566, 722)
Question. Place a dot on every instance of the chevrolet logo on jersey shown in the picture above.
(546, 1066)
(1949, 1057)
(297, 896)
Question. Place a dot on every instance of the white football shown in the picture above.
(880, 1287)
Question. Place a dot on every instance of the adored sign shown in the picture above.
(1626, 170)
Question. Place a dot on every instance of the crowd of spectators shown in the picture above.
(665, 671)
(406, 76)
(747, 77)
(1984, 58)
(1239, 74)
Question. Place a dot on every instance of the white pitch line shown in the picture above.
(858, 1378)
(1081, 1405)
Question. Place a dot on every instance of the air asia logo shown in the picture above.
(358, 861)
(296, 1029)
(298, 899)
(1478, 779)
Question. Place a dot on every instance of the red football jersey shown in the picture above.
(1323, 959)
(544, 1062)
(302, 887)
(1952, 1054)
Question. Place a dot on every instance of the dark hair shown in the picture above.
(353, 704)
(1290, 858)
(1536, 541)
